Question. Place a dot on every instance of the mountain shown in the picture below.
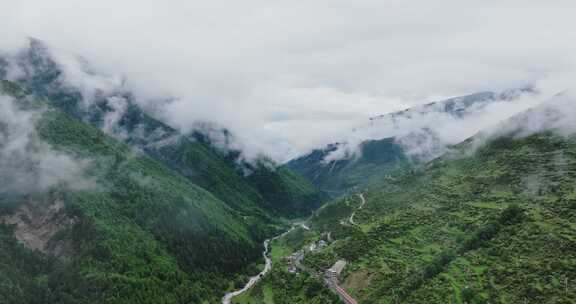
(391, 144)
(379, 160)
(100, 202)
(144, 234)
(458, 106)
(489, 222)
(109, 106)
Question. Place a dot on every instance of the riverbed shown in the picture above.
(227, 299)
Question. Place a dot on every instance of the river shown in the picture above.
(227, 299)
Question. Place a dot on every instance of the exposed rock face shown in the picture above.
(36, 222)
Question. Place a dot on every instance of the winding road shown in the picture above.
(331, 278)
(351, 219)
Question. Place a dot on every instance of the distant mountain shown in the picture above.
(380, 159)
(458, 106)
(390, 144)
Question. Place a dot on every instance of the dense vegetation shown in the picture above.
(377, 160)
(290, 193)
(143, 234)
(283, 287)
(194, 156)
(171, 218)
(23, 272)
(494, 226)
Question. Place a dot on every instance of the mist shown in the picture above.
(27, 164)
(288, 77)
(555, 115)
(426, 132)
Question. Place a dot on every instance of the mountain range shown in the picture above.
(455, 201)
(491, 221)
(168, 218)
(392, 144)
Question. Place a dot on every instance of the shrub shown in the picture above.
(513, 214)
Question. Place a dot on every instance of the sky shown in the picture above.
(289, 76)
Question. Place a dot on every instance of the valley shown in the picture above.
(478, 224)
(112, 195)
(420, 241)
(150, 216)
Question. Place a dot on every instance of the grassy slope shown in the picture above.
(493, 227)
(146, 235)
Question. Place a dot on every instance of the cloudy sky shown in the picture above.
(288, 76)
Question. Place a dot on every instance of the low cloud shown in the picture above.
(27, 164)
(555, 115)
(426, 132)
(106, 99)
(290, 76)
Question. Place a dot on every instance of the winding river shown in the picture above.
(227, 299)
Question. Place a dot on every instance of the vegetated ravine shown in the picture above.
(227, 299)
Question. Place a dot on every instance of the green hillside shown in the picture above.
(144, 234)
(289, 192)
(404, 143)
(193, 156)
(495, 226)
(377, 160)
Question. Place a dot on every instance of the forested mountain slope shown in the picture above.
(492, 221)
(138, 233)
(495, 226)
(377, 160)
(113, 109)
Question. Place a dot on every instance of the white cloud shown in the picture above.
(27, 164)
(288, 76)
(555, 115)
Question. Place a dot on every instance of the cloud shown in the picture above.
(427, 131)
(27, 164)
(288, 76)
(554, 115)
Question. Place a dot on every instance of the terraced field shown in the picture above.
(495, 226)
